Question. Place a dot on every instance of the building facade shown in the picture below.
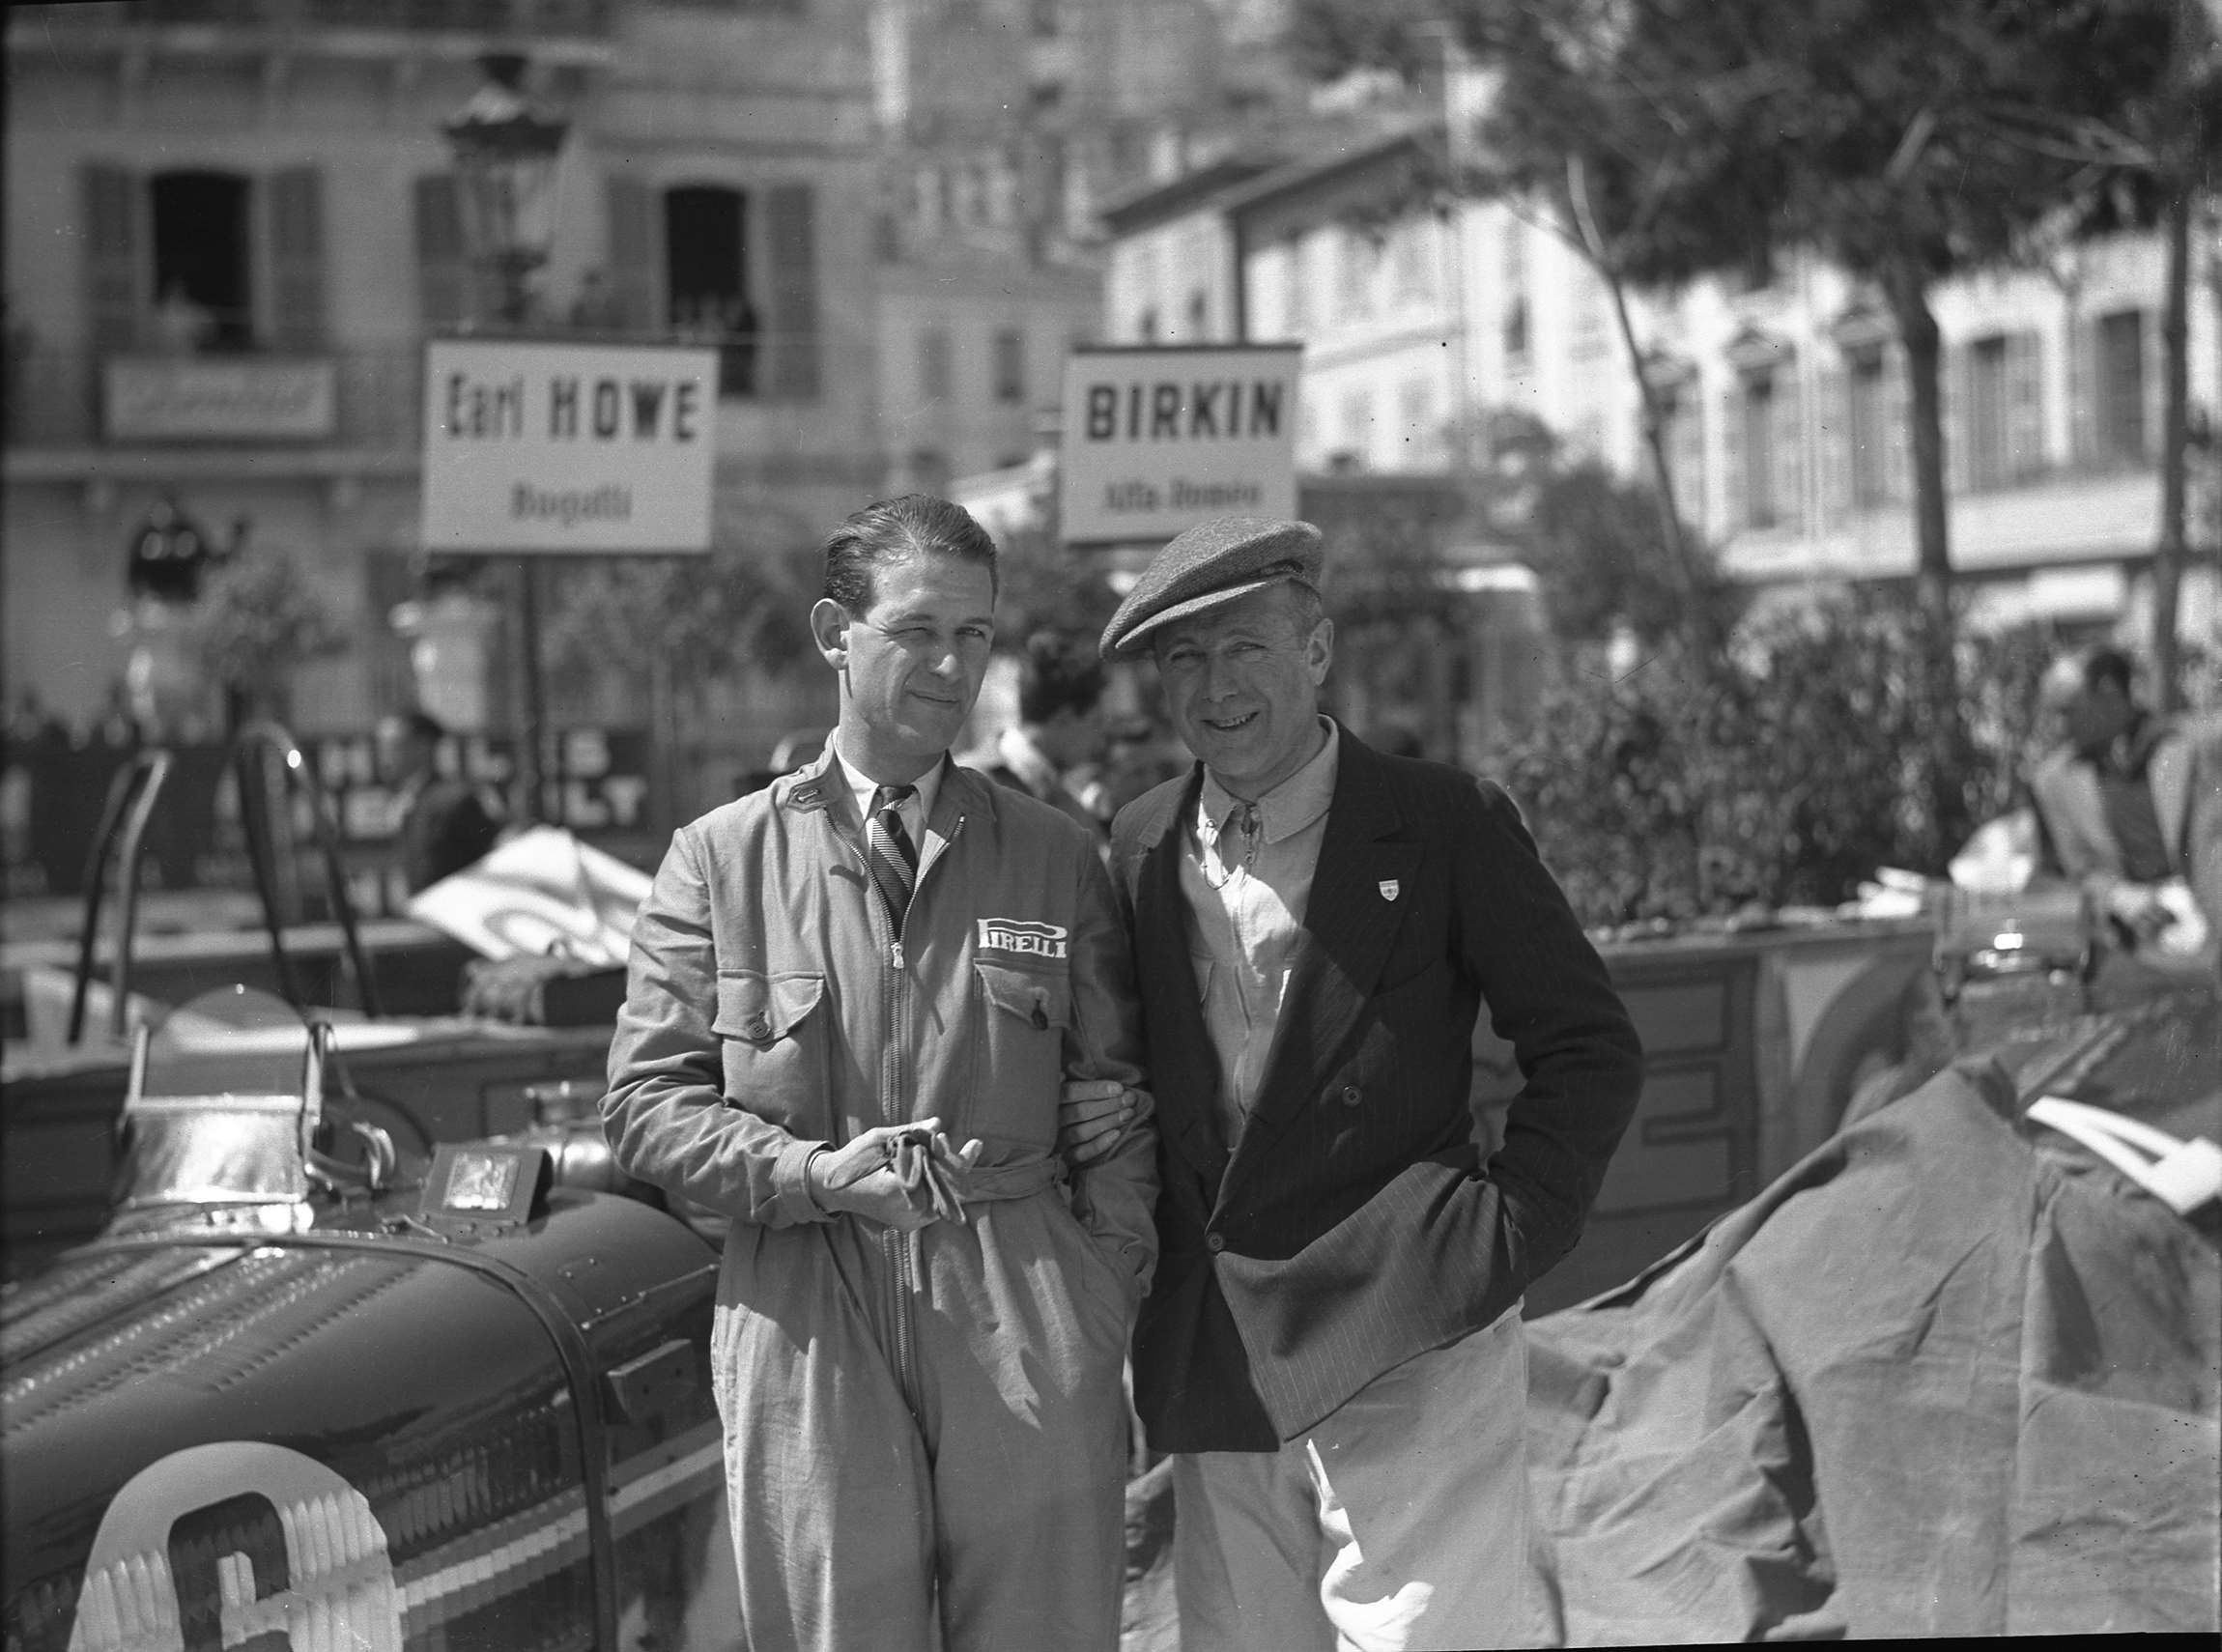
(234, 224)
(1786, 435)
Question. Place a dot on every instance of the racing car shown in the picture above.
(311, 1388)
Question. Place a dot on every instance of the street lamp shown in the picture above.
(505, 170)
(505, 166)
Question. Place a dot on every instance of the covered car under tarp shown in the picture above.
(1952, 1374)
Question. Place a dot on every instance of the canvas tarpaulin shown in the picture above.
(1944, 1377)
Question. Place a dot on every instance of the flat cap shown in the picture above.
(1212, 564)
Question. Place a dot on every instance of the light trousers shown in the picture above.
(1398, 1523)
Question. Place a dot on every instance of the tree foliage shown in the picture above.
(1777, 775)
(256, 620)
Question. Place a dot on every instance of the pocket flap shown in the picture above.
(764, 1007)
(1042, 1000)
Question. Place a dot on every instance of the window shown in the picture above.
(1762, 506)
(1592, 335)
(1354, 280)
(202, 259)
(1010, 365)
(1199, 316)
(734, 269)
(1415, 413)
(1514, 318)
(1681, 410)
(1296, 288)
(1986, 414)
(1414, 267)
(2120, 391)
(1357, 425)
(707, 280)
(935, 377)
(1870, 433)
(1146, 325)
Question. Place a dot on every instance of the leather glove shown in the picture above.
(903, 1176)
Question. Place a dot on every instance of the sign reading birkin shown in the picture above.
(1157, 440)
(568, 447)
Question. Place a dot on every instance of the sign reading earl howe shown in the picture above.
(568, 447)
(1157, 440)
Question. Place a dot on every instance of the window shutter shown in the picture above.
(115, 271)
(790, 233)
(1737, 503)
(1898, 428)
(1953, 369)
(2081, 390)
(1685, 452)
(443, 267)
(296, 197)
(1835, 434)
(635, 247)
(1788, 421)
(2025, 405)
(2155, 370)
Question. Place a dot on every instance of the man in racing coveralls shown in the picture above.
(834, 981)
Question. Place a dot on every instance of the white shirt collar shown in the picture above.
(861, 786)
(1290, 807)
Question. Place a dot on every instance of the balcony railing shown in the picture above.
(361, 399)
(525, 19)
(365, 400)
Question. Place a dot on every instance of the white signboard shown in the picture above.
(202, 399)
(1157, 440)
(568, 447)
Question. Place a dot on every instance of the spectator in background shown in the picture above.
(1052, 750)
(443, 824)
(2129, 805)
(595, 307)
(180, 327)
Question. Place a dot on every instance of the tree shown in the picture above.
(1903, 140)
(256, 621)
(674, 624)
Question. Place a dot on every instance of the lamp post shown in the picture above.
(505, 164)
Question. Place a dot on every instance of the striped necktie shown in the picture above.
(894, 857)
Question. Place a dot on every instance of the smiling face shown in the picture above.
(911, 664)
(1243, 687)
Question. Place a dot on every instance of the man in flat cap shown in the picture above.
(1332, 1346)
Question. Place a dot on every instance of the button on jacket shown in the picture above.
(1346, 1225)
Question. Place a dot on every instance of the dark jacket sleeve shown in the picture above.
(1550, 997)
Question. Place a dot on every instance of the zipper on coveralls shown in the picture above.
(895, 1108)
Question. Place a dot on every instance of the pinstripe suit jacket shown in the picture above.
(1350, 1226)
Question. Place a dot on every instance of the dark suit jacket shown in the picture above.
(1352, 1225)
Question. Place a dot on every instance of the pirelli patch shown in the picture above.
(1020, 935)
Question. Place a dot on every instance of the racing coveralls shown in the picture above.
(924, 1432)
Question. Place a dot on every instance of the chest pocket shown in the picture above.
(1020, 1055)
(771, 1035)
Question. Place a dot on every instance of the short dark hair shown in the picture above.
(894, 531)
(1057, 673)
(2107, 666)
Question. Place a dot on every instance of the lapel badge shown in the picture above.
(808, 795)
(1388, 886)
